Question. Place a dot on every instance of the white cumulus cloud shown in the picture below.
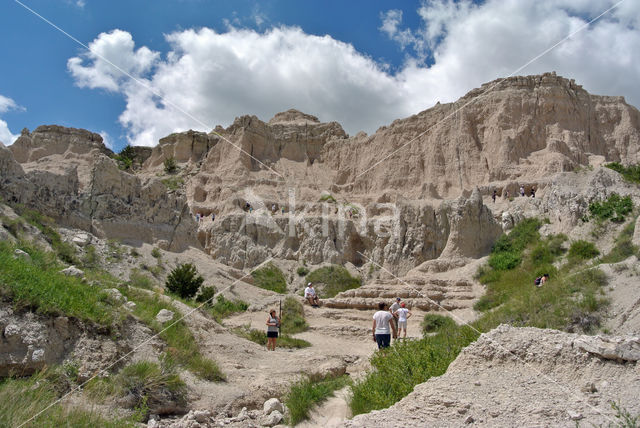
(6, 136)
(208, 78)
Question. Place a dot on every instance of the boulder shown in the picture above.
(164, 315)
(19, 254)
(271, 419)
(611, 348)
(272, 404)
(73, 271)
(115, 295)
(81, 239)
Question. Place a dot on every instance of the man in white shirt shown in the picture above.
(402, 315)
(382, 326)
(311, 296)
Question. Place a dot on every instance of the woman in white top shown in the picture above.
(273, 325)
(403, 314)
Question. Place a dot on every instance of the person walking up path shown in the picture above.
(273, 323)
(403, 314)
(382, 326)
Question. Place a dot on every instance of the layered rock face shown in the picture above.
(318, 195)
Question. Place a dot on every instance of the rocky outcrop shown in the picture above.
(399, 236)
(523, 377)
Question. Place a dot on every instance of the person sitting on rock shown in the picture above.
(311, 296)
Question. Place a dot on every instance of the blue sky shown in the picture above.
(362, 63)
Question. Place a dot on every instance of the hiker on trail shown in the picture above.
(311, 296)
(213, 217)
(273, 323)
(197, 217)
(533, 192)
(495, 193)
(382, 327)
(282, 209)
(273, 209)
(402, 315)
(394, 307)
(506, 194)
(521, 191)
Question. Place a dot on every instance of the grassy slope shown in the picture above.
(335, 279)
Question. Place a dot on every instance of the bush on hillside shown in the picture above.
(582, 250)
(184, 281)
(206, 295)
(170, 165)
(433, 322)
(614, 208)
(270, 277)
(293, 316)
(335, 279)
(302, 271)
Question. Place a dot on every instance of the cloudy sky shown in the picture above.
(156, 67)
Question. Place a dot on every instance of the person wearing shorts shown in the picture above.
(402, 314)
(273, 325)
(382, 326)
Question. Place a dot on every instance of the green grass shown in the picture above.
(432, 323)
(302, 271)
(572, 300)
(140, 280)
(182, 345)
(630, 173)
(39, 285)
(310, 391)
(21, 399)
(270, 277)
(328, 198)
(293, 317)
(260, 337)
(173, 183)
(396, 370)
(47, 226)
(335, 279)
(623, 247)
(582, 250)
(224, 308)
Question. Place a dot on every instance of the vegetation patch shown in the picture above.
(432, 323)
(310, 391)
(614, 208)
(292, 320)
(302, 271)
(270, 277)
(21, 399)
(582, 250)
(140, 280)
(335, 279)
(623, 247)
(630, 173)
(173, 183)
(224, 308)
(170, 165)
(572, 300)
(47, 226)
(327, 198)
(182, 346)
(260, 337)
(37, 284)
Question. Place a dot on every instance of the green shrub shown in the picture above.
(91, 259)
(173, 183)
(302, 271)
(614, 208)
(184, 281)
(126, 157)
(630, 173)
(504, 260)
(582, 250)
(270, 277)
(310, 391)
(206, 295)
(224, 308)
(327, 198)
(433, 322)
(156, 253)
(293, 316)
(170, 165)
(335, 279)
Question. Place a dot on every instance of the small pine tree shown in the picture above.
(184, 281)
(170, 165)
